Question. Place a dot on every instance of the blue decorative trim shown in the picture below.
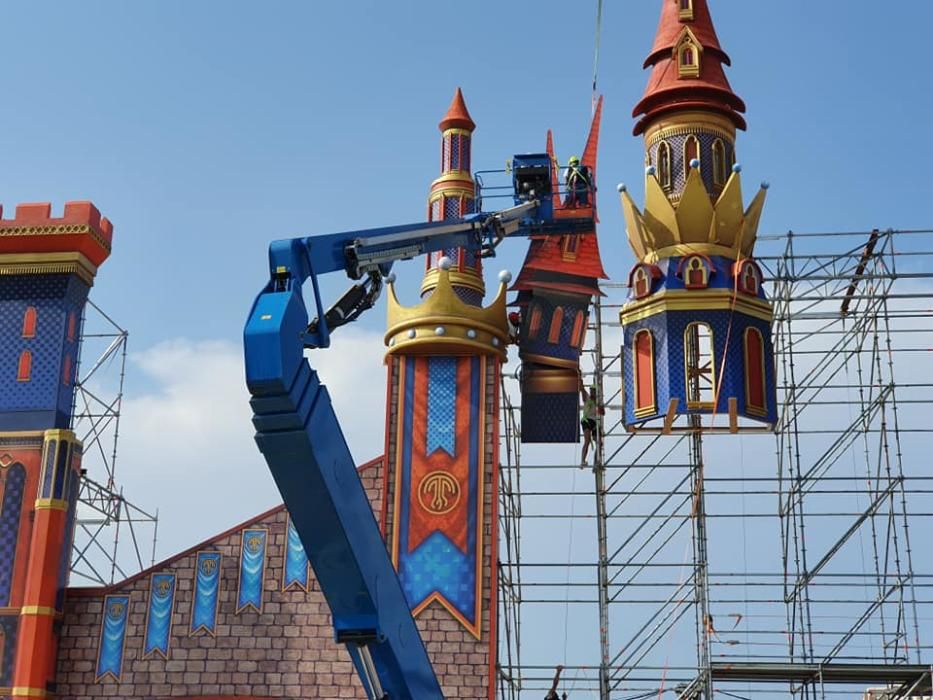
(112, 637)
(252, 569)
(296, 561)
(10, 515)
(442, 405)
(159, 615)
(206, 592)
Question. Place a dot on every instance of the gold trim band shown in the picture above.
(51, 504)
(38, 610)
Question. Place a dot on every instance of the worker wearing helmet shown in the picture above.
(590, 419)
(578, 182)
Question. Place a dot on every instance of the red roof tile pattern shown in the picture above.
(457, 117)
(667, 91)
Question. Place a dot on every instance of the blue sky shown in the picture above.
(206, 129)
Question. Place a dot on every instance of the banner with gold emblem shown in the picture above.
(437, 543)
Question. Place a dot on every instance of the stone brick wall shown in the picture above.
(286, 651)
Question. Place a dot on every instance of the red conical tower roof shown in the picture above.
(669, 91)
(457, 117)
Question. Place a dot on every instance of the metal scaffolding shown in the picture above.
(112, 535)
(762, 564)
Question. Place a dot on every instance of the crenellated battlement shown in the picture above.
(34, 236)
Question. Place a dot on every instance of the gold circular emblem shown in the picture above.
(439, 493)
(253, 543)
(163, 586)
(115, 611)
(208, 566)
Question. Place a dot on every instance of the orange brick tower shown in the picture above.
(47, 267)
(444, 359)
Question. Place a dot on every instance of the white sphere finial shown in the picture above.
(444, 263)
(650, 170)
(621, 187)
(765, 185)
(695, 163)
(505, 276)
(737, 168)
(390, 278)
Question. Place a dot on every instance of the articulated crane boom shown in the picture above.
(300, 437)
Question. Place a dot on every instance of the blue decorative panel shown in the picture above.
(48, 473)
(10, 513)
(159, 615)
(9, 626)
(72, 489)
(442, 405)
(252, 569)
(206, 592)
(296, 561)
(43, 401)
(112, 637)
(550, 417)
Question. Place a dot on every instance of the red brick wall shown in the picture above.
(287, 651)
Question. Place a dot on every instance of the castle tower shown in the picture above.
(697, 324)
(556, 284)
(47, 267)
(452, 197)
(444, 358)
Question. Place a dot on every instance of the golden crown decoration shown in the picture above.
(695, 224)
(443, 324)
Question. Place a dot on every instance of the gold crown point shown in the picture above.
(443, 324)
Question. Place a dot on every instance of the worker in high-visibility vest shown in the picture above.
(578, 182)
(590, 419)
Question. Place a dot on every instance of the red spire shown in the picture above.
(667, 89)
(457, 116)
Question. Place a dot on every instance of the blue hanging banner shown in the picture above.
(206, 593)
(112, 637)
(159, 614)
(252, 569)
(296, 561)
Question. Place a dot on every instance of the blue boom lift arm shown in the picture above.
(300, 437)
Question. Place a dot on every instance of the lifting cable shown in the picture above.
(599, 24)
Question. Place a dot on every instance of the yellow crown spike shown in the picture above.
(635, 224)
(752, 219)
(729, 211)
(660, 217)
(694, 211)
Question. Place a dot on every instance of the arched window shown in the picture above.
(557, 320)
(751, 280)
(755, 372)
(691, 152)
(24, 368)
(643, 367)
(719, 162)
(642, 283)
(534, 322)
(66, 371)
(695, 272)
(686, 9)
(688, 59)
(72, 326)
(579, 328)
(570, 243)
(29, 322)
(699, 354)
(664, 165)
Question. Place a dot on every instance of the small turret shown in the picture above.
(452, 197)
